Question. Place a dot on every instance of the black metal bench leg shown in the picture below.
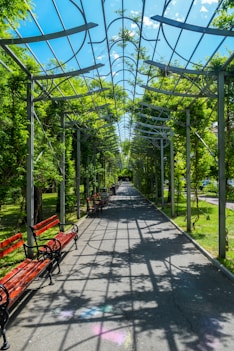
(57, 257)
(4, 316)
(58, 264)
(75, 239)
(5, 345)
(49, 269)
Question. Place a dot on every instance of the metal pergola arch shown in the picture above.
(161, 37)
(30, 102)
(220, 80)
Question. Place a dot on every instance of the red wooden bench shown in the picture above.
(91, 206)
(95, 203)
(56, 242)
(15, 282)
(99, 201)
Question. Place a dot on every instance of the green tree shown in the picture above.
(225, 18)
(13, 11)
(14, 134)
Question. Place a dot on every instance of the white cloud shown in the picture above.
(115, 37)
(115, 55)
(134, 25)
(178, 18)
(135, 13)
(203, 9)
(148, 23)
(209, 2)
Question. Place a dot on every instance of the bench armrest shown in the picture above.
(74, 228)
(5, 297)
(57, 244)
(46, 253)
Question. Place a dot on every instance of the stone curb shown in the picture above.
(215, 262)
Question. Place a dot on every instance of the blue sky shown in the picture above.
(177, 9)
(172, 48)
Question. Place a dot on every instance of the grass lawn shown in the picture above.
(205, 228)
(12, 220)
(204, 231)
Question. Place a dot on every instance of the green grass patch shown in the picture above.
(13, 220)
(205, 227)
(10, 261)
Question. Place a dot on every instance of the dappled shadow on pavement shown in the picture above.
(136, 284)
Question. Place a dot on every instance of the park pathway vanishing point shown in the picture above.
(136, 283)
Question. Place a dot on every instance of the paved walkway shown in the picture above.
(215, 201)
(135, 284)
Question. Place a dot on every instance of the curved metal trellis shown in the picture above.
(126, 62)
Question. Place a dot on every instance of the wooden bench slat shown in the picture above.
(55, 241)
(15, 282)
(91, 206)
(20, 274)
(95, 203)
(33, 271)
(14, 271)
(64, 238)
(9, 240)
(11, 244)
(12, 248)
(26, 279)
(45, 222)
(49, 225)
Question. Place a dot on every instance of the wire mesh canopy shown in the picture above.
(121, 41)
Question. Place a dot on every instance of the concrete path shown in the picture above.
(135, 284)
(215, 201)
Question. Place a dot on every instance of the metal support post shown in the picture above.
(188, 169)
(78, 173)
(87, 177)
(63, 173)
(30, 157)
(162, 171)
(221, 164)
(155, 174)
(172, 176)
(95, 170)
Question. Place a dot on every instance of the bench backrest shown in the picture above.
(48, 223)
(11, 244)
(97, 196)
